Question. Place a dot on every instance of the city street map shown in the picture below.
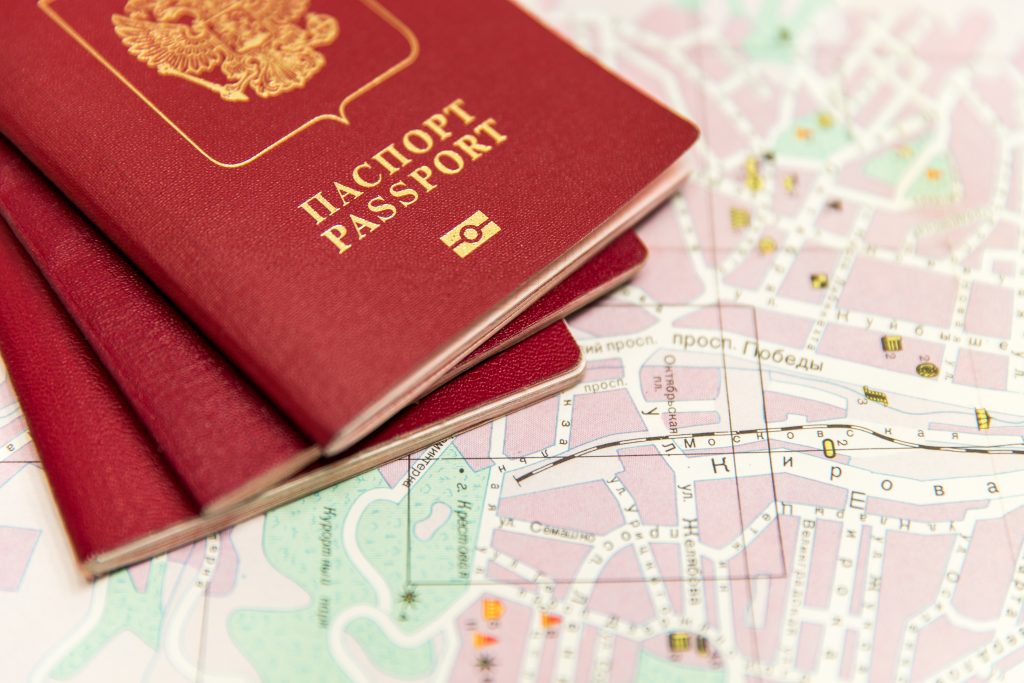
(797, 454)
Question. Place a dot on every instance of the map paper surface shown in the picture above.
(797, 455)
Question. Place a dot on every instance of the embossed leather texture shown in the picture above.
(120, 501)
(223, 438)
(214, 429)
(103, 468)
(205, 192)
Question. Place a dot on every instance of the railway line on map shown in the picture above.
(590, 451)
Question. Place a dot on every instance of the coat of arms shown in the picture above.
(259, 45)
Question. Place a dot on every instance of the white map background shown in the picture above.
(719, 500)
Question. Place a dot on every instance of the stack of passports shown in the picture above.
(253, 249)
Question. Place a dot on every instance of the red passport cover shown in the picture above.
(119, 500)
(345, 199)
(221, 437)
(611, 267)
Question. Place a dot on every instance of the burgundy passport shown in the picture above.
(346, 198)
(222, 438)
(119, 500)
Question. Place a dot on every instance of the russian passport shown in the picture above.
(344, 203)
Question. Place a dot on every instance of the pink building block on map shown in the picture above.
(797, 490)
(993, 91)
(780, 406)
(18, 545)
(901, 292)
(1004, 237)
(670, 568)
(612, 320)
(498, 574)
(849, 659)
(938, 512)
(781, 328)
(981, 369)
(558, 560)
(586, 653)
(621, 589)
(669, 277)
(808, 649)
(990, 311)
(814, 259)
(662, 229)
(758, 618)
(598, 415)
(975, 147)
(864, 347)
(532, 429)
(651, 482)
(941, 644)
(722, 501)
(822, 570)
(599, 370)
(751, 272)
(589, 507)
(987, 572)
(691, 383)
(914, 568)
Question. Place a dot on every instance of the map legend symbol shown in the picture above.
(828, 448)
(549, 621)
(482, 640)
(983, 418)
(702, 645)
(678, 642)
(484, 663)
(493, 609)
(892, 342)
(876, 396)
(753, 180)
(789, 183)
(767, 245)
(835, 204)
(739, 218)
(819, 280)
(928, 370)
(825, 120)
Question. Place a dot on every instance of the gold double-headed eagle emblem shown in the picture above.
(259, 45)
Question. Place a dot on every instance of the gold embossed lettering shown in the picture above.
(450, 152)
(360, 180)
(421, 176)
(427, 142)
(336, 234)
(396, 155)
(488, 127)
(346, 193)
(324, 204)
(437, 123)
(384, 210)
(458, 163)
(456, 108)
(472, 147)
(403, 193)
(360, 224)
